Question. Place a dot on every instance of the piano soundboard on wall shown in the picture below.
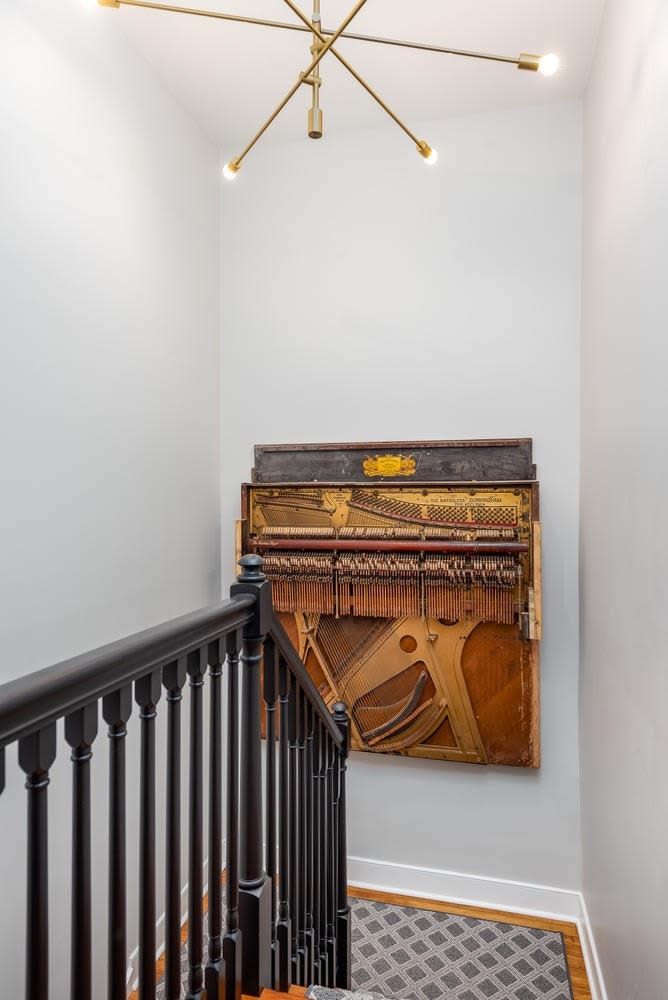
(408, 577)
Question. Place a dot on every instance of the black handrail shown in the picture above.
(30, 703)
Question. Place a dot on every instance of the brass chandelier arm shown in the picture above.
(344, 62)
(300, 80)
(286, 26)
(426, 47)
(216, 15)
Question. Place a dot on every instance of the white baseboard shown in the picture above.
(592, 962)
(544, 901)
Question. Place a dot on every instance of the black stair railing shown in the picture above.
(288, 933)
(278, 914)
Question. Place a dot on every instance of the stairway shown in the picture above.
(297, 827)
(402, 946)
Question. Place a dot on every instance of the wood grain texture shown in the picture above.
(373, 569)
(295, 991)
(501, 675)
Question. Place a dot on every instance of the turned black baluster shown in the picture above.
(309, 933)
(300, 899)
(195, 665)
(330, 792)
(116, 710)
(80, 731)
(343, 919)
(322, 871)
(232, 940)
(315, 851)
(213, 970)
(283, 926)
(147, 696)
(254, 888)
(36, 755)
(293, 824)
(173, 679)
(2, 770)
(269, 692)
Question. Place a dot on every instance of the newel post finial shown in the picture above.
(341, 717)
(251, 580)
(251, 569)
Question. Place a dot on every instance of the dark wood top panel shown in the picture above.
(483, 461)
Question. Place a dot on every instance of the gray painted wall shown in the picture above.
(624, 630)
(109, 387)
(391, 300)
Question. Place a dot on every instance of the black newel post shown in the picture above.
(343, 921)
(255, 892)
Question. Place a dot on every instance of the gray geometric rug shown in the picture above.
(404, 953)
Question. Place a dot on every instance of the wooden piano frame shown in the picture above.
(363, 555)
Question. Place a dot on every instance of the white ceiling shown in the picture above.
(230, 76)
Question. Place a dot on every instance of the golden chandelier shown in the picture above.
(322, 42)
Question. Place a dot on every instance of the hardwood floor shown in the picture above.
(569, 930)
(574, 956)
(295, 991)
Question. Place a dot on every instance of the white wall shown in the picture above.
(367, 296)
(624, 484)
(109, 373)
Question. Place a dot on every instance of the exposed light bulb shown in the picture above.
(548, 64)
(230, 170)
(428, 154)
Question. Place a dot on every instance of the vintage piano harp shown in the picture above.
(408, 577)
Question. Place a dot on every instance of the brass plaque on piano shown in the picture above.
(415, 605)
(388, 466)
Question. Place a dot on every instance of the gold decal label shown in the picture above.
(389, 465)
